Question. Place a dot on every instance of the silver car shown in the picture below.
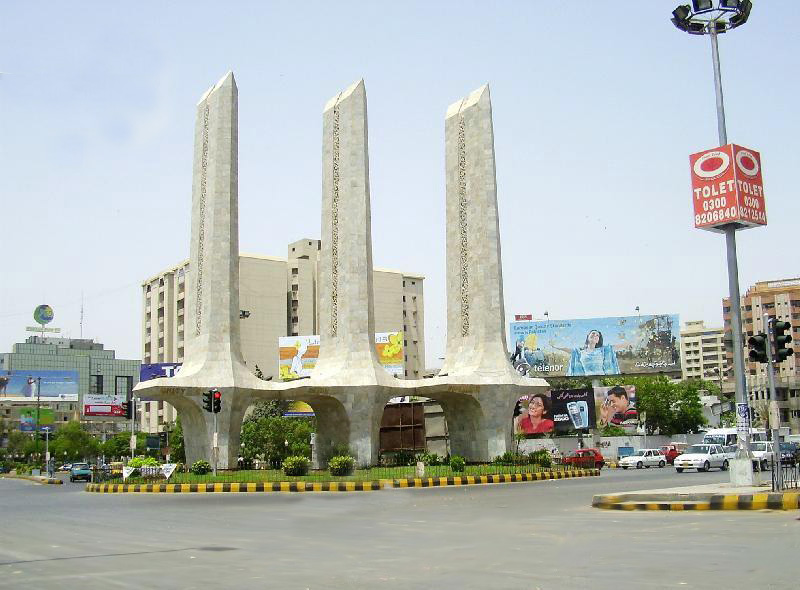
(702, 458)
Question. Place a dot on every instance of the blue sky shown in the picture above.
(596, 110)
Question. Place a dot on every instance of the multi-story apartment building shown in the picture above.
(278, 297)
(703, 353)
(780, 300)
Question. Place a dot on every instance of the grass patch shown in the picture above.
(371, 474)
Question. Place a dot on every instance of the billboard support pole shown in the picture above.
(742, 474)
(38, 405)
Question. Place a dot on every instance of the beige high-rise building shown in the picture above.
(703, 353)
(780, 300)
(278, 297)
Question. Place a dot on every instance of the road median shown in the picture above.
(332, 486)
(710, 497)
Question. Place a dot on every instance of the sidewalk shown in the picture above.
(719, 496)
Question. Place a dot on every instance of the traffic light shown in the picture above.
(207, 401)
(758, 348)
(128, 408)
(217, 401)
(782, 351)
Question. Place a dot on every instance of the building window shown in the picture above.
(95, 384)
(294, 288)
(294, 272)
(123, 385)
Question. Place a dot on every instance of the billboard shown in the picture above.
(297, 355)
(155, 370)
(566, 411)
(27, 419)
(597, 346)
(727, 187)
(560, 411)
(26, 385)
(616, 406)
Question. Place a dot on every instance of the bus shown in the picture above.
(728, 436)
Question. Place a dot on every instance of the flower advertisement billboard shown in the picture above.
(297, 355)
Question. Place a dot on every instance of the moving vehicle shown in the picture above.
(790, 453)
(729, 436)
(80, 471)
(762, 455)
(65, 467)
(585, 458)
(672, 450)
(644, 458)
(702, 457)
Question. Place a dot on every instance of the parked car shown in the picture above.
(585, 458)
(644, 458)
(702, 458)
(672, 450)
(790, 453)
(80, 471)
(762, 455)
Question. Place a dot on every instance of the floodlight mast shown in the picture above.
(712, 17)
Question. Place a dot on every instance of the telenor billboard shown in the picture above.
(26, 385)
(597, 346)
(297, 355)
(727, 187)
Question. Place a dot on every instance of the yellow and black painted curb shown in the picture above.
(35, 478)
(765, 501)
(331, 486)
(485, 479)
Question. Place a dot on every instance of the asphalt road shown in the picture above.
(527, 535)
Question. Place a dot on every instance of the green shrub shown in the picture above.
(341, 465)
(295, 465)
(143, 462)
(402, 458)
(431, 459)
(457, 463)
(509, 458)
(200, 467)
(541, 458)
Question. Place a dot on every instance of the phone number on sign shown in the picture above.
(714, 216)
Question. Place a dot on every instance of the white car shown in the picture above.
(762, 455)
(644, 458)
(702, 458)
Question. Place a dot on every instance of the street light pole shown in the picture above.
(741, 467)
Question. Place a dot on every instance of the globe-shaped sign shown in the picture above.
(43, 314)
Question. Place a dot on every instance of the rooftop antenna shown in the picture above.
(81, 315)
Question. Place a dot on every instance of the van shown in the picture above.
(729, 436)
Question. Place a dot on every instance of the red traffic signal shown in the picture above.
(217, 401)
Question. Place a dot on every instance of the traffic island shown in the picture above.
(41, 479)
(697, 498)
(333, 486)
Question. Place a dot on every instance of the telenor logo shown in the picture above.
(747, 163)
(711, 164)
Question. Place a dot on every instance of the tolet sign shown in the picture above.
(727, 188)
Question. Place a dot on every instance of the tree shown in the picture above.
(267, 409)
(74, 443)
(670, 407)
(118, 446)
(687, 409)
(177, 447)
(727, 419)
(266, 438)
